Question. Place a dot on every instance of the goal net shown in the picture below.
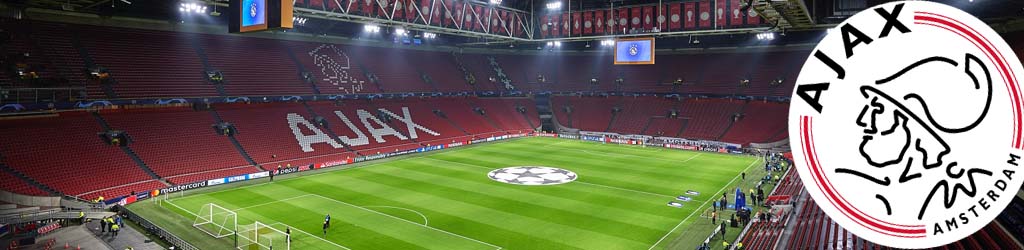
(216, 221)
(259, 236)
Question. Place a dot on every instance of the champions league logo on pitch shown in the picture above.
(907, 124)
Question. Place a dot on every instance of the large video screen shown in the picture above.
(634, 51)
(253, 15)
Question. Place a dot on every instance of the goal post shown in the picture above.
(216, 221)
(259, 236)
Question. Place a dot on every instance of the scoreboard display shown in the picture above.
(260, 15)
(630, 51)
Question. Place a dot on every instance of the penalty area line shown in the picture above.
(314, 236)
(407, 221)
(701, 206)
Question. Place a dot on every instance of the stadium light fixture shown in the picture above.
(767, 36)
(495, 2)
(429, 35)
(558, 44)
(401, 32)
(549, 44)
(554, 5)
(188, 8)
(608, 42)
(299, 20)
(372, 28)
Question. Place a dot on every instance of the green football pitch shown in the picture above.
(445, 200)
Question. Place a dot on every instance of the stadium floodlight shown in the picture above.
(607, 42)
(496, 2)
(372, 28)
(767, 36)
(558, 44)
(299, 20)
(554, 5)
(401, 32)
(191, 8)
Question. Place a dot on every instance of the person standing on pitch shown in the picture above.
(327, 220)
(325, 228)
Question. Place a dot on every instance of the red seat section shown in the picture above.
(269, 72)
(65, 153)
(14, 184)
(177, 142)
(139, 59)
(759, 122)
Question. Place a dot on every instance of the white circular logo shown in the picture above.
(675, 18)
(704, 16)
(252, 10)
(532, 175)
(633, 50)
(636, 20)
(622, 21)
(587, 24)
(906, 122)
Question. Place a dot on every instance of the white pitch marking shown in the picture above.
(410, 222)
(701, 205)
(314, 236)
(271, 202)
(425, 221)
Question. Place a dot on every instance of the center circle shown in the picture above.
(532, 175)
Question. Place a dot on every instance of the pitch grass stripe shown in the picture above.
(307, 215)
(446, 215)
(610, 229)
(581, 182)
(614, 179)
(658, 162)
(570, 192)
(537, 228)
(480, 172)
(701, 206)
(410, 222)
(591, 172)
(631, 167)
(271, 202)
(514, 195)
(308, 219)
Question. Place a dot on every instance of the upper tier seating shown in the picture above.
(269, 72)
(149, 63)
(65, 153)
(139, 60)
(701, 118)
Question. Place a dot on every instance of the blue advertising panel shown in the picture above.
(254, 15)
(634, 51)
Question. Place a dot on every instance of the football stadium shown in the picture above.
(511, 124)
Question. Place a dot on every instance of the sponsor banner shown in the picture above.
(183, 187)
(215, 182)
(684, 147)
(113, 201)
(286, 170)
(335, 163)
(127, 200)
(591, 138)
(142, 196)
(547, 135)
(259, 175)
(568, 136)
(430, 148)
(735, 151)
(457, 144)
